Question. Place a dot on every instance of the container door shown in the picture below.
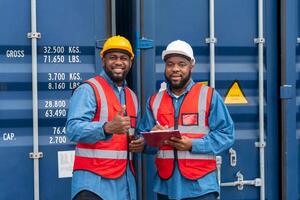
(236, 75)
(68, 53)
(16, 168)
(289, 94)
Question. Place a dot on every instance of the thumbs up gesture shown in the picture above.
(120, 123)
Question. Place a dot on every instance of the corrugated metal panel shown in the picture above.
(66, 56)
(236, 28)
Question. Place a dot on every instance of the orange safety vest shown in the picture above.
(107, 158)
(192, 122)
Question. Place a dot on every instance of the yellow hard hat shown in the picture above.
(117, 42)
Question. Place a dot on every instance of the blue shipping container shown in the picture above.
(233, 43)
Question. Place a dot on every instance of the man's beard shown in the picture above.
(180, 84)
(114, 78)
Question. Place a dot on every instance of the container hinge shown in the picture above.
(211, 40)
(286, 92)
(259, 40)
(36, 155)
(298, 40)
(35, 35)
(260, 144)
(144, 43)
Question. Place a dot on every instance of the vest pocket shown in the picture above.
(189, 119)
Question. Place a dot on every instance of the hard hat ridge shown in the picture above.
(117, 43)
(179, 47)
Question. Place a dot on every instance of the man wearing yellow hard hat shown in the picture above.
(102, 118)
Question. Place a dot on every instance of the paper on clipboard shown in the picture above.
(156, 138)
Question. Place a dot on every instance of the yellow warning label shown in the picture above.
(203, 82)
(235, 95)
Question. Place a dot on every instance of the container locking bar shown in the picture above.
(241, 182)
(35, 35)
(219, 164)
(219, 160)
(211, 40)
(36, 155)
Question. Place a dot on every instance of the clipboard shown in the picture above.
(156, 138)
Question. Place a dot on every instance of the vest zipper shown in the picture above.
(176, 118)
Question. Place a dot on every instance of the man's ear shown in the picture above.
(192, 67)
(103, 60)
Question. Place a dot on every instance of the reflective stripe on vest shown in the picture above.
(104, 107)
(135, 102)
(184, 155)
(134, 98)
(193, 129)
(101, 153)
(193, 123)
(107, 158)
(156, 103)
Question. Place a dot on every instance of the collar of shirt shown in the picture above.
(187, 88)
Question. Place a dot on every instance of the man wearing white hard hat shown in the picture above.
(186, 166)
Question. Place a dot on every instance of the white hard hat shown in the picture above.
(179, 47)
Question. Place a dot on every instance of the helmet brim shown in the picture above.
(119, 51)
(168, 53)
